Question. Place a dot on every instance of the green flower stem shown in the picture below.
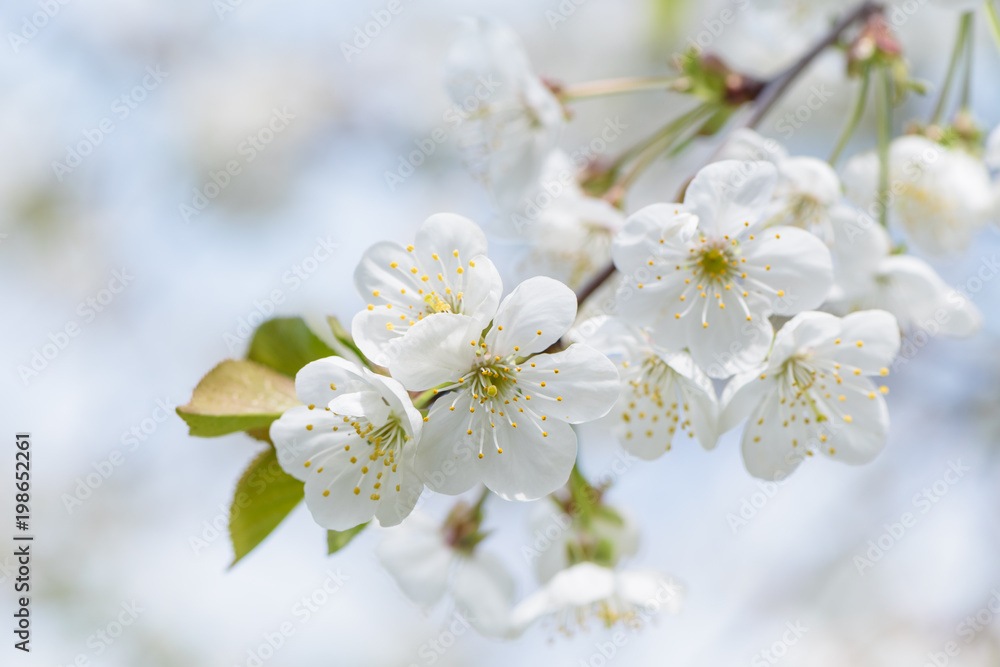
(665, 132)
(623, 86)
(969, 58)
(956, 55)
(855, 118)
(655, 147)
(884, 104)
(994, 21)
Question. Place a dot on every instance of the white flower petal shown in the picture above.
(703, 413)
(447, 458)
(730, 343)
(742, 394)
(860, 440)
(869, 340)
(396, 505)
(396, 397)
(446, 233)
(580, 383)
(857, 251)
(809, 176)
(637, 242)
(532, 465)
(725, 195)
(579, 586)
(645, 424)
(550, 528)
(418, 558)
(771, 450)
(804, 331)
(917, 296)
(368, 403)
(610, 336)
(859, 177)
(746, 145)
(800, 272)
(484, 593)
(650, 591)
(313, 381)
(295, 444)
(532, 317)
(434, 351)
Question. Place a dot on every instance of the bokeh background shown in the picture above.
(226, 67)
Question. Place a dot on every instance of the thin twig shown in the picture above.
(956, 56)
(773, 91)
(616, 87)
(852, 123)
(769, 95)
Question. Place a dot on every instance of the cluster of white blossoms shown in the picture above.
(769, 296)
(500, 404)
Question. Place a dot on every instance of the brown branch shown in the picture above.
(777, 86)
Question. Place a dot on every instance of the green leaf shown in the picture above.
(286, 345)
(264, 496)
(237, 396)
(338, 539)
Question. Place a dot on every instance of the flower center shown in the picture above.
(803, 210)
(714, 263)
(493, 380)
(435, 304)
(380, 466)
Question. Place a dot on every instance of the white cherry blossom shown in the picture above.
(814, 393)
(445, 270)
(807, 189)
(706, 274)
(353, 444)
(940, 196)
(870, 276)
(427, 562)
(559, 536)
(588, 592)
(515, 121)
(503, 416)
(570, 233)
(663, 393)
